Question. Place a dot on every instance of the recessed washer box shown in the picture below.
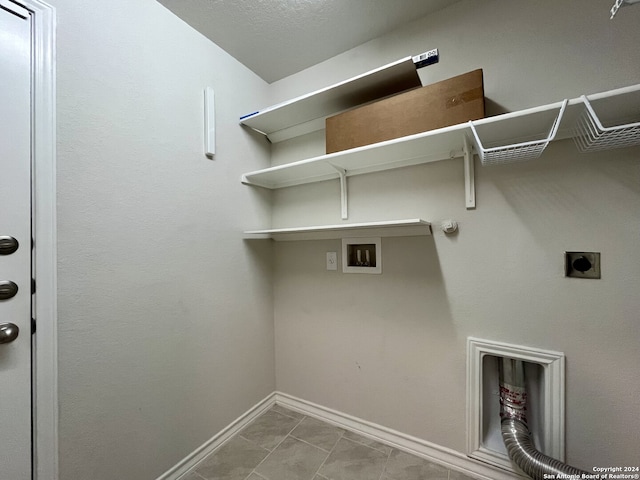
(362, 255)
(544, 370)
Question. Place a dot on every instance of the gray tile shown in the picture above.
(317, 433)
(353, 461)
(233, 461)
(403, 466)
(287, 412)
(269, 429)
(255, 476)
(455, 475)
(368, 442)
(292, 460)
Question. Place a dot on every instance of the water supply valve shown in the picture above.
(449, 226)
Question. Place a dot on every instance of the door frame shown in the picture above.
(43, 128)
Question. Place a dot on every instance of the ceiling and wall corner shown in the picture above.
(277, 38)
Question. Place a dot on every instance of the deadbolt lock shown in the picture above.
(8, 245)
(8, 289)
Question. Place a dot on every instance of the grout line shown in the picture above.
(310, 444)
(285, 410)
(329, 454)
(191, 472)
(292, 429)
(384, 469)
(253, 443)
(253, 472)
(275, 448)
(369, 446)
(261, 462)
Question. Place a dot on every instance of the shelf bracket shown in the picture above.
(469, 174)
(343, 191)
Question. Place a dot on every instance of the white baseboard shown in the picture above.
(191, 460)
(435, 453)
(421, 448)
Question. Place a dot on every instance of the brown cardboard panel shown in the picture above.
(449, 102)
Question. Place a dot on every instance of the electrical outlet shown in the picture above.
(332, 260)
(426, 58)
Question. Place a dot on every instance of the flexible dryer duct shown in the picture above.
(515, 432)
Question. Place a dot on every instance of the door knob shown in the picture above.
(8, 332)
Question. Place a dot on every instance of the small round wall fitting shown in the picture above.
(449, 226)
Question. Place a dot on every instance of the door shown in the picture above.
(15, 242)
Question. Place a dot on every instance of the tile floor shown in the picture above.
(285, 445)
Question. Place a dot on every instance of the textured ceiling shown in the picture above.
(276, 38)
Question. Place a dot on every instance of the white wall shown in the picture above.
(165, 314)
(392, 348)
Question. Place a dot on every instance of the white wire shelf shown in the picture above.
(521, 151)
(392, 228)
(591, 135)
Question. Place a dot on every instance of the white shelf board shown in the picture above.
(307, 113)
(431, 146)
(393, 228)
(400, 152)
(509, 128)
